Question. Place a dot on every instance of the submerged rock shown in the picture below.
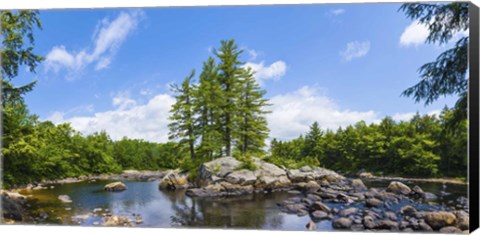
(115, 187)
(65, 199)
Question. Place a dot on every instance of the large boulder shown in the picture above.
(174, 180)
(440, 219)
(398, 187)
(216, 170)
(115, 187)
(228, 169)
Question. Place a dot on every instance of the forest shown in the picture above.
(223, 114)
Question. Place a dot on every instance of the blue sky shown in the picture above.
(109, 69)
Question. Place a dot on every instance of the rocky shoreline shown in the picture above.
(318, 193)
(353, 206)
(125, 175)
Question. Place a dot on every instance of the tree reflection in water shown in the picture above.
(250, 211)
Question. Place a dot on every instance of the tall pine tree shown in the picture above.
(252, 126)
(182, 115)
(208, 98)
(230, 71)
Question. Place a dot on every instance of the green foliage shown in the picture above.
(17, 50)
(423, 147)
(182, 125)
(247, 163)
(447, 75)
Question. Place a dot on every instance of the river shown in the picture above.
(174, 209)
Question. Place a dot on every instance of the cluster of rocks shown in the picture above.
(225, 177)
(105, 218)
(13, 205)
(352, 206)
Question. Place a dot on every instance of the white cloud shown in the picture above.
(338, 11)
(414, 35)
(274, 71)
(142, 121)
(107, 38)
(417, 33)
(355, 49)
(293, 113)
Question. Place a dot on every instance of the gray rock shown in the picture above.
(398, 187)
(373, 202)
(320, 206)
(213, 171)
(369, 222)
(242, 177)
(342, 223)
(311, 226)
(387, 224)
(348, 211)
(390, 215)
(358, 185)
(115, 186)
(319, 215)
(408, 210)
(450, 229)
(174, 180)
(463, 220)
(440, 219)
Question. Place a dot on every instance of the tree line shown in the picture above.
(34, 150)
(424, 146)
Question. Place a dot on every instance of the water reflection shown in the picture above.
(175, 209)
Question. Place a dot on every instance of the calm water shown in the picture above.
(174, 209)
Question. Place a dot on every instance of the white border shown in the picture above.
(88, 4)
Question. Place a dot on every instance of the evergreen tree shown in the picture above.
(182, 115)
(312, 146)
(252, 127)
(208, 100)
(229, 76)
(447, 75)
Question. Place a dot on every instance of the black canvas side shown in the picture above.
(473, 108)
